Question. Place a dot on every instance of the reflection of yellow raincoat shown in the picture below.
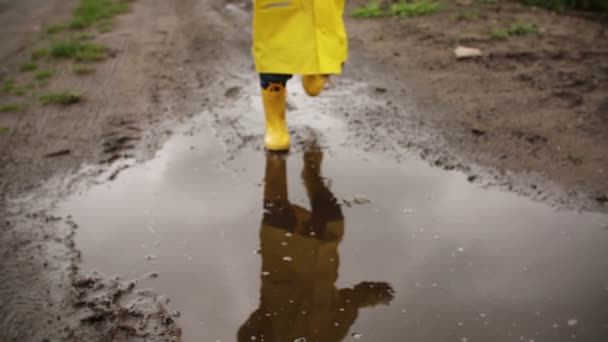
(305, 37)
(299, 248)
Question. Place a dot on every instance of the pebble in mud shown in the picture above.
(152, 275)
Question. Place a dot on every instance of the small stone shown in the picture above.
(463, 52)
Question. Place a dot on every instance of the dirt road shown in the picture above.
(529, 116)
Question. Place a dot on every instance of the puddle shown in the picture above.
(345, 245)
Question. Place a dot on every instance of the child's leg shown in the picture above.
(274, 96)
(267, 79)
(314, 84)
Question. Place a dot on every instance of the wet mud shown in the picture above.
(332, 242)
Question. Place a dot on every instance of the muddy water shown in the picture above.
(335, 243)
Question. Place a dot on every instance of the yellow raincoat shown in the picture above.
(305, 37)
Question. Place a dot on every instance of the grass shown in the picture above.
(92, 12)
(19, 91)
(3, 130)
(11, 107)
(29, 66)
(80, 69)
(518, 28)
(415, 8)
(468, 15)
(371, 10)
(499, 34)
(402, 8)
(40, 53)
(56, 28)
(521, 28)
(85, 37)
(77, 50)
(43, 74)
(64, 99)
(8, 86)
(562, 5)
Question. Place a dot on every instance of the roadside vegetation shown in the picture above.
(63, 98)
(71, 43)
(12, 107)
(519, 28)
(401, 8)
(562, 5)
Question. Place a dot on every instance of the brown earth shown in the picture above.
(534, 104)
(531, 114)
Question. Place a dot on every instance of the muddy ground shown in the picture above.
(530, 115)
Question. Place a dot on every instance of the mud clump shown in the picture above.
(46, 296)
(112, 307)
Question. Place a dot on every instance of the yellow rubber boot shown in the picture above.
(277, 135)
(313, 84)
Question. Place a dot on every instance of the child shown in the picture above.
(305, 37)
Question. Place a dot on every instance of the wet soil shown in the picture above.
(333, 243)
(172, 60)
(531, 105)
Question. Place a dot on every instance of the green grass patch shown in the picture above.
(19, 91)
(77, 50)
(29, 66)
(468, 15)
(11, 108)
(562, 5)
(518, 28)
(8, 86)
(4, 130)
(56, 28)
(91, 12)
(521, 28)
(499, 34)
(402, 8)
(43, 74)
(40, 53)
(371, 10)
(80, 69)
(64, 99)
(85, 37)
(415, 8)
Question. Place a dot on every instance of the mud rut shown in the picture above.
(213, 37)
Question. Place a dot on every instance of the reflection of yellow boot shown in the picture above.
(313, 84)
(277, 135)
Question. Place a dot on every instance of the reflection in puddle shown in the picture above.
(465, 263)
(299, 248)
